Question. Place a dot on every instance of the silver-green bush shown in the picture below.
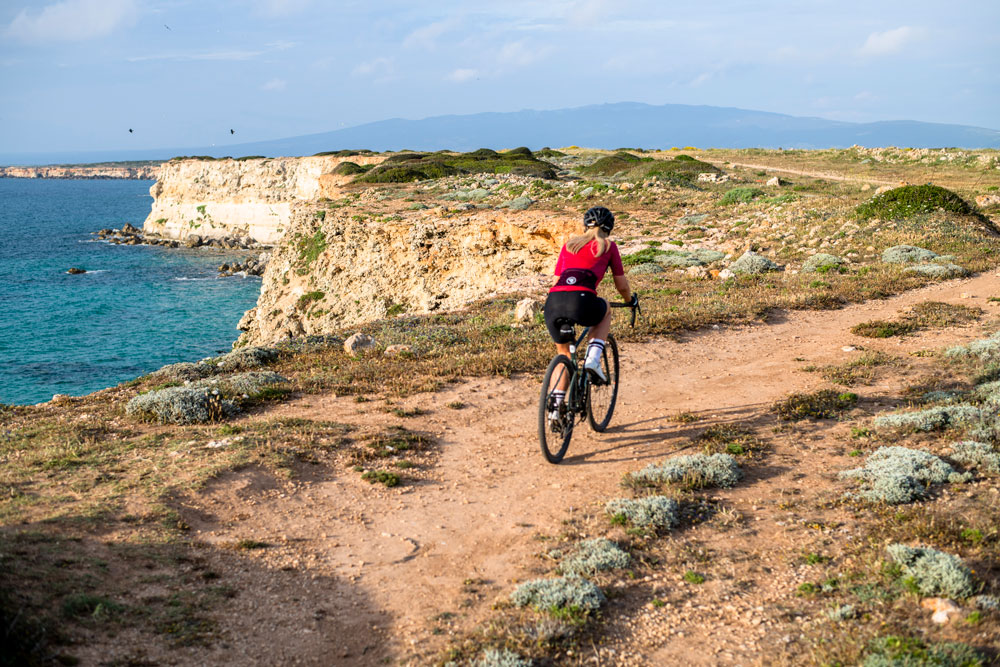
(985, 349)
(558, 593)
(205, 400)
(500, 657)
(647, 512)
(907, 254)
(933, 572)
(947, 270)
(698, 470)
(979, 455)
(595, 555)
(181, 405)
(820, 262)
(931, 419)
(184, 371)
(646, 268)
(896, 475)
(246, 358)
(686, 258)
(752, 263)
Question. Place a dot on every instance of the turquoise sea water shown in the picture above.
(136, 309)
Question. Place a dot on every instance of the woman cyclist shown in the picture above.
(573, 299)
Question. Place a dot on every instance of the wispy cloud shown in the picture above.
(462, 75)
(281, 7)
(201, 55)
(376, 67)
(275, 84)
(426, 37)
(72, 20)
(890, 41)
(521, 53)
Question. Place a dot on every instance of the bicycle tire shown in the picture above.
(555, 442)
(601, 398)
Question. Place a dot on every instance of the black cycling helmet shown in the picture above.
(598, 216)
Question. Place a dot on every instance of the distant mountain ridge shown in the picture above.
(597, 126)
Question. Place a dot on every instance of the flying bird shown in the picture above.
(168, 27)
(130, 130)
(232, 131)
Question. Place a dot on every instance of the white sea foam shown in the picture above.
(186, 278)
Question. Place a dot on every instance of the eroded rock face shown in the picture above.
(250, 198)
(339, 271)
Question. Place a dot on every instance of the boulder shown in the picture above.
(358, 343)
(193, 241)
(988, 200)
(519, 204)
(75, 271)
(937, 270)
(750, 263)
(907, 254)
(773, 181)
(130, 230)
(526, 310)
(397, 350)
(821, 263)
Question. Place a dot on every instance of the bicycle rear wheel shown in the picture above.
(555, 422)
(601, 397)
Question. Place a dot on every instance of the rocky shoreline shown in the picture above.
(251, 266)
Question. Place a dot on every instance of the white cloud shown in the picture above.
(521, 54)
(462, 75)
(72, 20)
(281, 7)
(376, 67)
(890, 41)
(426, 37)
(274, 84)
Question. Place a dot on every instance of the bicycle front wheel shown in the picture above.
(601, 396)
(555, 420)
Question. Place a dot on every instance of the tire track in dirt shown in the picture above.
(409, 551)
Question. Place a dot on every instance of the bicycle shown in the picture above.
(585, 395)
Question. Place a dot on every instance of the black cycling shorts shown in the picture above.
(577, 307)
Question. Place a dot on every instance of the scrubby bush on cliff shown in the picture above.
(695, 471)
(977, 455)
(933, 572)
(633, 168)
(348, 168)
(931, 419)
(896, 475)
(184, 371)
(570, 594)
(740, 196)
(246, 358)
(910, 200)
(594, 555)
(986, 350)
(648, 512)
(206, 400)
(407, 167)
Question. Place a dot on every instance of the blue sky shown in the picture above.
(77, 74)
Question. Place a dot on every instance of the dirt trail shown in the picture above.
(828, 175)
(389, 560)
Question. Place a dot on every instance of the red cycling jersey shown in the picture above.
(583, 272)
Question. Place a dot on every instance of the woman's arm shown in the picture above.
(621, 284)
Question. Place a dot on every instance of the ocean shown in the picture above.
(136, 309)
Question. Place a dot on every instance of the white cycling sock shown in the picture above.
(558, 396)
(595, 350)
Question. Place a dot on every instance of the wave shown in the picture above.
(187, 278)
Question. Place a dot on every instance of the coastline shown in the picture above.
(112, 171)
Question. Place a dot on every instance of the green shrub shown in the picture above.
(205, 400)
(309, 297)
(694, 470)
(910, 200)
(822, 263)
(309, 248)
(933, 572)
(595, 555)
(751, 263)
(561, 593)
(609, 165)
(383, 477)
(348, 168)
(407, 167)
(740, 196)
(246, 358)
(882, 329)
(648, 512)
(644, 256)
(895, 651)
(823, 404)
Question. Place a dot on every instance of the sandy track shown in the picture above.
(361, 570)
